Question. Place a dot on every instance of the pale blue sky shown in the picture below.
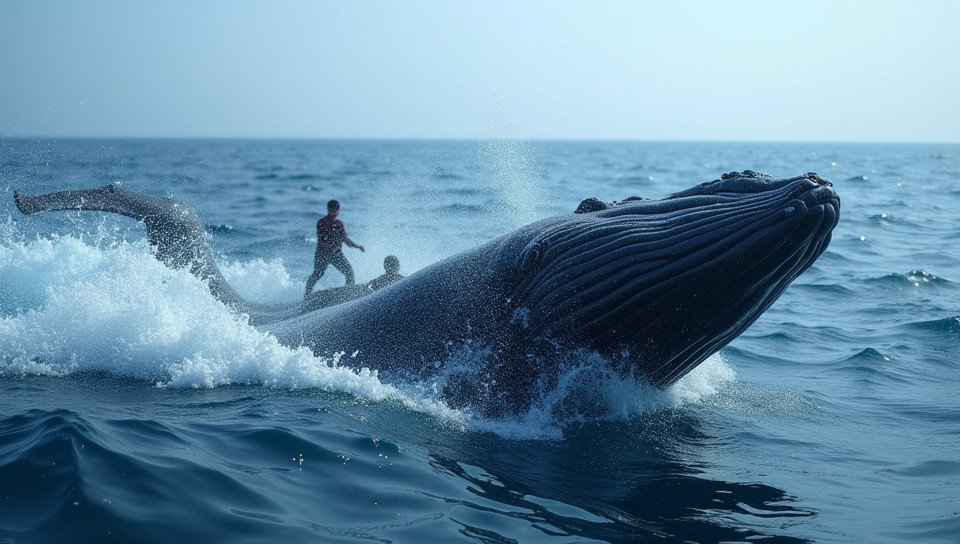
(831, 70)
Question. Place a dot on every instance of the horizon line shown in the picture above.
(463, 139)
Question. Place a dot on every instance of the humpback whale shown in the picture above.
(653, 286)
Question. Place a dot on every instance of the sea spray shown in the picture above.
(511, 165)
(587, 388)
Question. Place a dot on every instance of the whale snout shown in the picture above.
(813, 197)
(821, 195)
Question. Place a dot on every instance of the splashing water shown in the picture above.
(70, 306)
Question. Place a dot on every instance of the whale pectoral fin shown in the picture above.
(163, 217)
(22, 203)
(61, 200)
(108, 198)
(173, 228)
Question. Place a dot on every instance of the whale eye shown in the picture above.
(531, 255)
(789, 210)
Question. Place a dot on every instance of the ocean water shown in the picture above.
(134, 407)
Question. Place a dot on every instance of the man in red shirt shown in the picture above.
(330, 234)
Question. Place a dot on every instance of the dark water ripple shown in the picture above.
(247, 478)
(68, 480)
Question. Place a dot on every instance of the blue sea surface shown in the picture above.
(134, 407)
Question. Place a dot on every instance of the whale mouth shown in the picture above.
(664, 284)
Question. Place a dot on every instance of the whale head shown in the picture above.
(660, 285)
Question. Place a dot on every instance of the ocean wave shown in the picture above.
(272, 176)
(442, 174)
(67, 479)
(221, 230)
(823, 289)
(776, 336)
(890, 366)
(914, 278)
(172, 178)
(462, 192)
(882, 218)
(867, 359)
(304, 177)
(39, 469)
(460, 209)
(949, 326)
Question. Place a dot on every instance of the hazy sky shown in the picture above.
(832, 70)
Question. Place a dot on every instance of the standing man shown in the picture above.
(330, 234)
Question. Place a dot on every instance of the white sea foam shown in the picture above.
(72, 307)
(262, 281)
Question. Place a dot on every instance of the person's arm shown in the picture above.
(349, 242)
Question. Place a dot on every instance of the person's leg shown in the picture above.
(320, 263)
(340, 262)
